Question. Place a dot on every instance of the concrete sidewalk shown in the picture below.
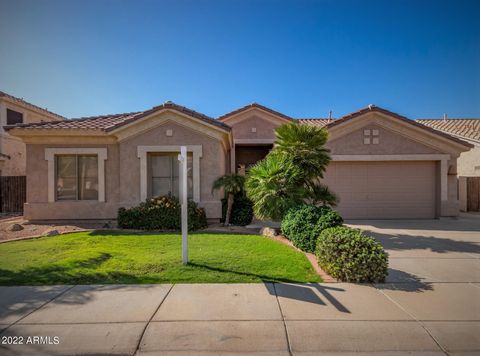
(267, 319)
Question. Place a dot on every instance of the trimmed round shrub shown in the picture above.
(350, 256)
(242, 210)
(303, 224)
(161, 213)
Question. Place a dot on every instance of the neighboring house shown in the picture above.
(468, 164)
(383, 165)
(12, 150)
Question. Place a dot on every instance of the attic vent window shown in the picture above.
(375, 138)
(366, 137)
(14, 117)
(254, 129)
(371, 137)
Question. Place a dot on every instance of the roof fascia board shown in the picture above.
(119, 131)
(237, 117)
(30, 131)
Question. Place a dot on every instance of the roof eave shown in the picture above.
(32, 131)
(159, 109)
(233, 113)
(371, 109)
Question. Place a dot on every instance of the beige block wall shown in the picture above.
(15, 149)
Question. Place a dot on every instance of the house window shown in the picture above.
(14, 117)
(76, 177)
(164, 168)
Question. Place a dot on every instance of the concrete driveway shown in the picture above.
(430, 305)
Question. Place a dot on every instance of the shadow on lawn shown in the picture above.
(293, 290)
(66, 274)
(173, 232)
(261, 277)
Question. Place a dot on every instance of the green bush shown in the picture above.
(303, 224)
(161, 213)
(242, 210)
(347, 254)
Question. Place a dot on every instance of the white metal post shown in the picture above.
(182, 167)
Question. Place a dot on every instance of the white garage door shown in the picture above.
(383, 190)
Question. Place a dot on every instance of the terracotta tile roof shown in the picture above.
(253, 105)
(373, 108)
(30, 105)
(465, 128)
(108, 123)
(315, 122)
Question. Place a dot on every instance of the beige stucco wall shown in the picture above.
(122, 172)
(212, 164)
(469, 162)
(389, 143)
(38, 207)
(265, 126)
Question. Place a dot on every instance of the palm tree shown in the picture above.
(271, 186)
(305, 145)
(231, 184)
(291, 172)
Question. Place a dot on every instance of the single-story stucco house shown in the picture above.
(384, 166)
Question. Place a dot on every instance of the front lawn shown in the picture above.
(110, 257)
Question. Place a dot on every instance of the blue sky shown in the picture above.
(303, 58)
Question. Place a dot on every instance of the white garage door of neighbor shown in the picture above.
(383, 190)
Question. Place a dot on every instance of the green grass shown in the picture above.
(111, 257)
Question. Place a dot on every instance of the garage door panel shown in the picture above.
(383, 190)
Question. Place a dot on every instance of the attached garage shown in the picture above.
(384, 190)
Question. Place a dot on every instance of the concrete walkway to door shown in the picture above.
(430, 305)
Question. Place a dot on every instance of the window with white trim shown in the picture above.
(76, 177)
(164, 174)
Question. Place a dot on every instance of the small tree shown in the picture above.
(231, 184)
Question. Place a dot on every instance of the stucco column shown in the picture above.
(232, 160)
(444, 180)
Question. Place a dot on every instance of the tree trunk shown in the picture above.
(229, 209)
